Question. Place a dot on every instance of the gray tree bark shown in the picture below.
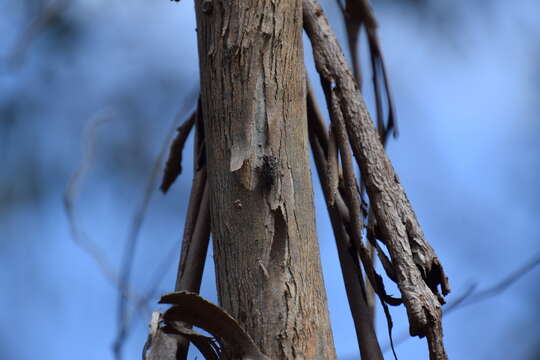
(254, 110)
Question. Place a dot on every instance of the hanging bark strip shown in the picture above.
(350, 268)
(418, 270)
(348, 250)
(173, 167)
(196, 235)
(358, 14)
(318, 131)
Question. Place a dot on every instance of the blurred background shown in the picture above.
(465, 77)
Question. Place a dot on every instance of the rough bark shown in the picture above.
(253, 104)
(418, 270)
(350, 267)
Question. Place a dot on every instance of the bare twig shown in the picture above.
(193, 257)
(197, 228)
(70, 196)
(499, 287)
(471, 296)
(358, 14)
(194, 247)
(131, 243)
(71, 193)
(353, 197)
(350, 268)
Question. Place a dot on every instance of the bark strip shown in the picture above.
(350, 268)
(418, 270)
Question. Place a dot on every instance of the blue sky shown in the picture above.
(465, 82)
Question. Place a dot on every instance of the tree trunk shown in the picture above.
(263, 228)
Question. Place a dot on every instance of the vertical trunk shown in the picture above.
(253, 105)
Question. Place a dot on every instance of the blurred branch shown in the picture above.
(71, 193)
(131, 243)
(47, 14)
(471, 296)
(196, 235)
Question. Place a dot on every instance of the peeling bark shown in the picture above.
(253, 104)
(417, 268)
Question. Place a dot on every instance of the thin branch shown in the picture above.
(131, 244)
(352, 196)
(318, 129)
(501, 286)
(195, 246)
(352, 275)
(356, 15)
(471, 296)
(40, 21)
(71, 193)
(173, 167)
(196, 235)
(418, 270)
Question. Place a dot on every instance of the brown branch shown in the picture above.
(352, 196)
(173, 167)
(417, 268)
(194, 247)
(196, 229)
(318, 130)
(195, 243)
(131, 243)
(358, 14)
(352, 275)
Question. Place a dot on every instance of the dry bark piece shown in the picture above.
(173, 167)
(418, 271)
(208, 347)
(352, 274)
(194, 310)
